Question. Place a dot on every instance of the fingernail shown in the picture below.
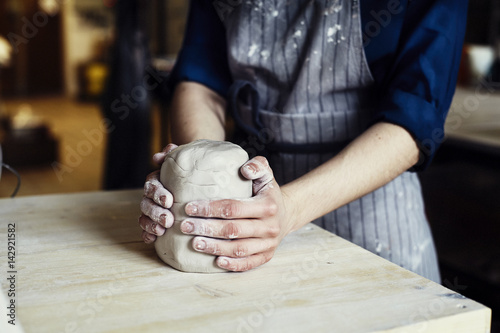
(187, 227)
(250, 168)
(191, 209)
(163, 218)
(223, 263)
(163, 200)
(201, 245)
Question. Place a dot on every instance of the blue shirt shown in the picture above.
(413, 48)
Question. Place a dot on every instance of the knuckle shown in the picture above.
(262, 160)
(147, 206)
(205, 229)
(271, 208)
(240, 251)
(147, 188)
(151, 184)
(156, 197)
(213, 248)
(273, 231)
(265, 164)
(229, 209)
(217, 250)
(241, 266)
(144, 205)
(231, 230)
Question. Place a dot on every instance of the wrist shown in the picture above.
(293, 216)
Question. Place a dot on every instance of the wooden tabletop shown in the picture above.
(80, 266)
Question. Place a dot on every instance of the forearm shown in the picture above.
(376, 157)
(196, 113)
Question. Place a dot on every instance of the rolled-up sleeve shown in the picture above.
(203, 57)
(418, 88)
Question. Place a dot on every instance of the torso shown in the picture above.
(306, 60)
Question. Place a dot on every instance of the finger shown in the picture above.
(233, 209)
(228, 229)
(158, 158)
(148, 238)
(150, 226)
(256, 168)
(169, 148)
(155, 175)
(240, 248)
(154, 189)
(156, 213)
(259, 171)
(244, 264)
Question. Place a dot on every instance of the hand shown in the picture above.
(250, 230)
(155, 204)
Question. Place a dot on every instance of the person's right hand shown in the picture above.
(156, 202)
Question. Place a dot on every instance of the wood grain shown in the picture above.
(82, 267)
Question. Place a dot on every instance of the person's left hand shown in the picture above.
(248, 230)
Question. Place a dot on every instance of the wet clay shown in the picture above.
(199, 170)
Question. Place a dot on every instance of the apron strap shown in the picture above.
(237, 91)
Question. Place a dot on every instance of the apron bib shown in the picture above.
(303, 87)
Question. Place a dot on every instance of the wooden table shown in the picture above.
(81, 266)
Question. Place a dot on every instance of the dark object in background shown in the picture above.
(494, 74)
(28, 147)
(479, 22)
(461, 190)
(126, 101)
(483, 28)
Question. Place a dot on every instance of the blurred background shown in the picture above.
(82, 108)
(52, 126)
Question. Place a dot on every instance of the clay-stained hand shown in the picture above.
(249, 230)
(155, 204)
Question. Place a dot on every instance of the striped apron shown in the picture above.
(302, 91)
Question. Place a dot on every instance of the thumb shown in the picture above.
(158, 158)
(259, 171)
